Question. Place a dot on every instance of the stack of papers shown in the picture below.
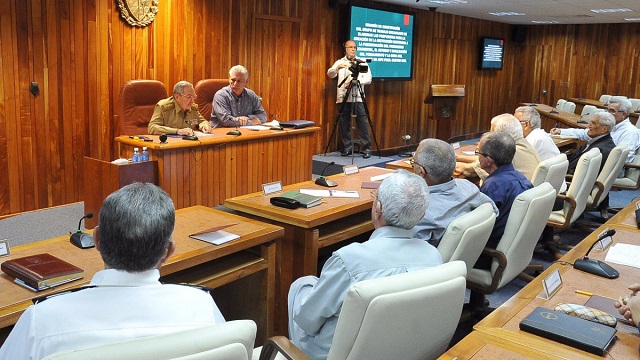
(215, 235)
(624, 254)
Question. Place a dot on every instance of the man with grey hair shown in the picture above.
(435, 161)
(179, 113)
(236, 105)
(126, 300)
(599, 131)
(526, 157)
(529, 119)
(315, 303)
(504, 183)
(624, 132)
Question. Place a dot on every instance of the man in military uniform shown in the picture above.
(178, 114)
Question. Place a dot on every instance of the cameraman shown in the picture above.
(348, 67)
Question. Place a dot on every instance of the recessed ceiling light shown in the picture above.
(600, 11)
(632, 19)
(545, 22)
(507, 13)
(448, 2)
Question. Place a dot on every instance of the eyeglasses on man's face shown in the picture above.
(613, 111)
(477, 152)
(189, 96)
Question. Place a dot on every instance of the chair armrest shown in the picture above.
(567, 217)
(632, 166)
(497, 276)
(281, 345)
(596, 198)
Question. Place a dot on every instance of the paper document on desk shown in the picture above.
(331, 193)
(469, 152)
(624, 254)
(215, 235)
(564, 136)
(200, 133)
(255, 127)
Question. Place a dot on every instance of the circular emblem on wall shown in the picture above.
(138, 12)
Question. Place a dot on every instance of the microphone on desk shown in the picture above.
(596, 267)
(583, 121)
(533, 103)
(192, 136)
(80, 239)
(235, 132)
(637, 109)
(323, 181)
(553, 111)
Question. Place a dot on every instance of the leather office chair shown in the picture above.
(560, 104)
(514, 252)
(604, 98)
(467, 235)
(233, 340)
(569, 106)
(553, 171)
(137, 100)
(575, 199)
(206, 89)
(631, 178)
(393, 317)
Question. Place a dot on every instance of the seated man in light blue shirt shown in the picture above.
(435, 161)
(236, 105)
(315, 303)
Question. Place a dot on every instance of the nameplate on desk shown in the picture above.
(602, 244)
(350, 169)
(4, 247)
(456, 145)
(271, 188)
(550, 285)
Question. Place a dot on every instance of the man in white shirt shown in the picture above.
(624, 132)
(126, 300)
(530, 121)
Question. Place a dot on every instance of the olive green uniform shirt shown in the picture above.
(168, 117)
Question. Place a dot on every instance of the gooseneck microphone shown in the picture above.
(553, 111)
(533, 103)
(597, 267)
(582, 120)
(323, 181)
(81, 239)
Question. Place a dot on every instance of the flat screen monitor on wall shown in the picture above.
(386, 38)
(491, 53)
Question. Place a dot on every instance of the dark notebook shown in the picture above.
(297, 124)
(570, 330)
(41, 271)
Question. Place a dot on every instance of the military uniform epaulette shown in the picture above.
(168, 106)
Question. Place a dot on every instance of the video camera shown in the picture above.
(359, 66)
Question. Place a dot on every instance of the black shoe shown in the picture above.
(366, 155)
(345, 153)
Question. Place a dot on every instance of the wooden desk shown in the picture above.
(503, 322)
(250, 258)
(562, 118)
(220, 166)
(308, 230)
(581, 102)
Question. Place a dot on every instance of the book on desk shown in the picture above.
(41, 271)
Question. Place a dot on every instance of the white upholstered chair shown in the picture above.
(553, 171)
(588, 111)
(604, 98)
(467, 235)
(527, 219)
(233, 340)
(560, 104)
(569, 106)
(406, 316)
(606, 177)
(631, 178)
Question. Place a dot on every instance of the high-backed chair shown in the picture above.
(525, 224)
(406, 316)
(604, 181)
(233, 340)
(635, 105)
(553, 171)
(604, 98)
(467, 235)
(569, 106)
(588, 111)
(631, 178)
(560, 104)
(206, 89)
(137, 100)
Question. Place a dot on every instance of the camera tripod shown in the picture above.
(354, 89)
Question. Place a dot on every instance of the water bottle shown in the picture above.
(136, 155)
(145, 154)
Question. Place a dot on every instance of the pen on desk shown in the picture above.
(555, 127)
(591, 294)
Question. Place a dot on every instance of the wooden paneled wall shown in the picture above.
(80, 53)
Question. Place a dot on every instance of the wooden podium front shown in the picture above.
(444, 99)
(102, 178)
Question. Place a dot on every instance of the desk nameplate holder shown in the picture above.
(604, 243)
(4, 247)
(350, 169)
(456, 145)
(271, 188)
(550, 285)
